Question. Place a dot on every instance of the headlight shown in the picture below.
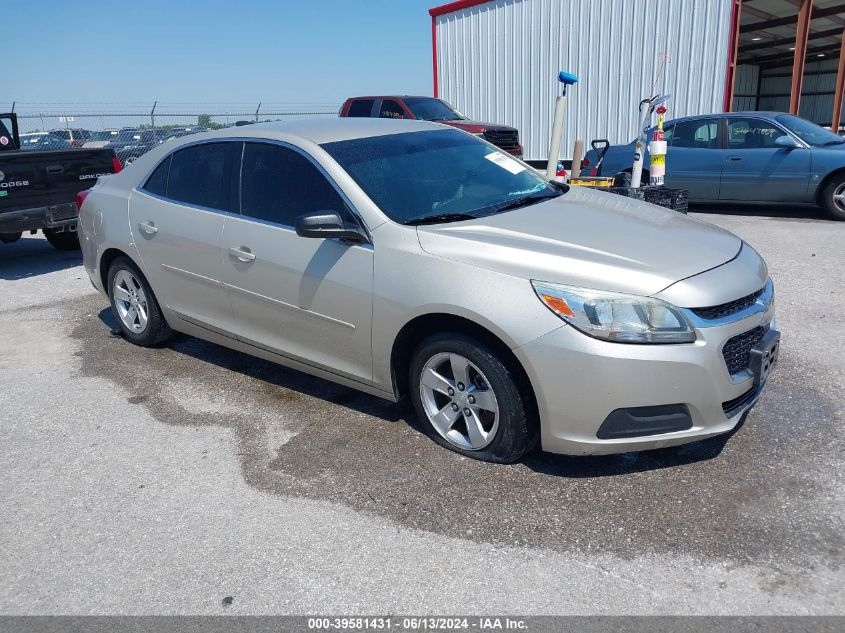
(616, 317)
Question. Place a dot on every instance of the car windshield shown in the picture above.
(429, 109)
(808, 132)
(101, 136)
(438, 175)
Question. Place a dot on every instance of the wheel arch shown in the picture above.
(422, 326)
(836, 173)
(106, 259)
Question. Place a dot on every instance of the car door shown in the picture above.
(176, 219)
(757, 169)
(694, 158)
(308, 299)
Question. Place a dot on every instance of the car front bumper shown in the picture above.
(579, 381)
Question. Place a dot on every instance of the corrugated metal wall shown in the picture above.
(499, 61)
(745, 87)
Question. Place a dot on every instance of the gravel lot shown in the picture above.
(163, 481)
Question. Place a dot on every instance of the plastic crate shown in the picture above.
(675, 199)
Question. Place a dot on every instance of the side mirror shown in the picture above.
(787, 142)
(327, 225)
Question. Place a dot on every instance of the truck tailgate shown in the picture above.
(38, 179)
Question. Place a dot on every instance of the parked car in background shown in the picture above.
(410, 260)
(431, 109)
(768, 157)
(38, 189)
(42, 141)
(130, 144)
(101, 139)
(75, 136)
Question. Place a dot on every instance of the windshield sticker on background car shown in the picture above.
(505, 162)
(4, 140)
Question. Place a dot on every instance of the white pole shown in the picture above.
(554, 145)
(639, 146)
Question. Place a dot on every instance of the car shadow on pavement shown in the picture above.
(31, 256)
(273, 374)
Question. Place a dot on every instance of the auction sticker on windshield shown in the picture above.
(505, 162)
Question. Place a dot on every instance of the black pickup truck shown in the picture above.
(38, 188)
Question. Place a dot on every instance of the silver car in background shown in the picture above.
(414, 261)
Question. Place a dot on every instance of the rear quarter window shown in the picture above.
(360, 108)
(157, 182)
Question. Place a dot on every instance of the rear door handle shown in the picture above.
(243, 254)
(148, 227)
(734, 158)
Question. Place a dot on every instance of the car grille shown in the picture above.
(737, 351)
(506, 139)
(729, 308)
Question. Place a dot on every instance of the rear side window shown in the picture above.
(201, 175)
(157, 182)
(360, 108)
(279, 184)
(700, 134)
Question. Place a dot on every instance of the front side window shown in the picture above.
(200, 175)
(360, 108)
(448, 174)
(279, 184)
(699, 134)
(391, 110)
(752, 134)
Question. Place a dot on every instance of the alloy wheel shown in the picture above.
(130, 301)
(459, 402)
(839, 196)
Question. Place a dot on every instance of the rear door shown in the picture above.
(757, 169)
(176, 219)
(694, 158)
(309, 299)
(361, 108)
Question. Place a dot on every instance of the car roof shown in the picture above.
(325, 130)
(762, 114)
(392, 97)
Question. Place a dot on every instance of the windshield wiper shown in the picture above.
(532, 198)
(440, 217)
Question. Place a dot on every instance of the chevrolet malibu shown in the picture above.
(416, 262)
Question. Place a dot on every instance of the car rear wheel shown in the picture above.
(135, 306)
(469, 401)
(833, 198)
(62, 240)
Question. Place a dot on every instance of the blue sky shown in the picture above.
(288, 51)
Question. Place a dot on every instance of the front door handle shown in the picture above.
(242, 254)
(148, 227)
(734, 158)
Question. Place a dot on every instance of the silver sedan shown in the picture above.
(414, 261)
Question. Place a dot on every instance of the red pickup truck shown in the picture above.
(431, 109)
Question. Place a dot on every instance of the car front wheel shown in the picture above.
(833, 198)
(134, 305)
(469, 401)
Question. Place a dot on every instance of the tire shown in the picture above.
(9, 238)
(62, 240)
(834, 189)
(502, 437)
(133, 292)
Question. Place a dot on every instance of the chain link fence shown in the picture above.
(131, 129)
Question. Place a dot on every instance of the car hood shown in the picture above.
(476, 127)
(587, 238)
